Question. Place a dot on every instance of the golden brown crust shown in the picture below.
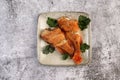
(57, 38)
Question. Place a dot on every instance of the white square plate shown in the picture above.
(56, 58)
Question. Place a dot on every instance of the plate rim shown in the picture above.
(89, 35)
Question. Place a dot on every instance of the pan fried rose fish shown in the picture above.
(73, 36)
(56, 38)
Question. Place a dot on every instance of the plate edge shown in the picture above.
(90, 51)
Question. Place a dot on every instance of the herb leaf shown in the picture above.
(84, 47)
(83, 22)
(65, 56)
(51, 49)
(48, 49)
(52, 22)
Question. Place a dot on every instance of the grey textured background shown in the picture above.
(18, 26)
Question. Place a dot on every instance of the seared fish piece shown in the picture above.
(57, 39)
(72, 34)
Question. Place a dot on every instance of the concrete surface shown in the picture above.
(18, 26)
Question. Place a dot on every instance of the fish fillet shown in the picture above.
(71, 30)
(56, 38)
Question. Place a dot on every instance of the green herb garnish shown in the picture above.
(65, 56)
(84, 47)
(48, 49)
(83, 22)
(52, 22)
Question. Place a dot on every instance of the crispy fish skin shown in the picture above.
(76, 40)
(57, 38)
(70, 27)
(66, 47)
(52, 36)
